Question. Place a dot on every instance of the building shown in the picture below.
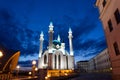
(102, 61)
(110, 16)
(83, 66)
(56, 57)
(92, 66)
(99, 63)
(8, 62)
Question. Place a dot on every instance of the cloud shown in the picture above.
(14, 35)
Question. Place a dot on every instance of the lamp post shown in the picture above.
(18, 68)
(33, 68)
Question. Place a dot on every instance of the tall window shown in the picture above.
(45, 59)
(110, 25)
(55, 61)
(104, 3)
(67, 61)
(117, 16)
(116, 48)
(59, 61)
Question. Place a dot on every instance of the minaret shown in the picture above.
(50, 36)
(70, 41)
(58, 38)
(41, 44)
(40, 50)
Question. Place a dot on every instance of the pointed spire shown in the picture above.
(41, 36)
(58, 38)
(41, 33)
(51, 26)
(70, 31)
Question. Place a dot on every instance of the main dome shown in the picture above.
(56, 42)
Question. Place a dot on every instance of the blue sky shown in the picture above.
(21, 22)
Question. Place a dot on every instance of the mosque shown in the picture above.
(56, 57)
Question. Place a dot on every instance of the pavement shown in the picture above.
(93, 76)
(81, 76)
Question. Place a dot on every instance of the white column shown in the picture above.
(41, 44)
(40, 50)
(70, 41)
(50, 36)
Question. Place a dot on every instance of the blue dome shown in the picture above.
(55, 42)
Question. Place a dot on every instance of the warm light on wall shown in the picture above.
(57, 73)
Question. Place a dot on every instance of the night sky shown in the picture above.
(21, 22)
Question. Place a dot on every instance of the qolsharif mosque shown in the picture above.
(56, 57)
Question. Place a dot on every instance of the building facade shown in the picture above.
(92, 66)
(99, 63)
(83, 66)
(110, 16)
(56, 57)
(102, 61)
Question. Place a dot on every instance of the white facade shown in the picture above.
(83, 66)
(100, 62)
(56, 57)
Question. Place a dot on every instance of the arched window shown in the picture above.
(55, 61)
(45, 59)
(59, 59)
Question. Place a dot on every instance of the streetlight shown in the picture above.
(33, 67)
(18, 67)
(1, 54)
(33, 62)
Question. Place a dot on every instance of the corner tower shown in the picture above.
(70, 41)
(41, 44)
(50, 36)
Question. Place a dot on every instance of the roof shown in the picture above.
(55, 42)
(9, 59)
(82, 61)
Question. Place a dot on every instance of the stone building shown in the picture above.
(110, 16)
(102, 61)
(83, 66)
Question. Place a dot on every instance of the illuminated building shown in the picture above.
(110, 16)
(56, 57)
(8, 62)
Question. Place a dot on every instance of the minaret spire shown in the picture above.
(70, 41)
(50, 36)
(41, 44)
(58, 38)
